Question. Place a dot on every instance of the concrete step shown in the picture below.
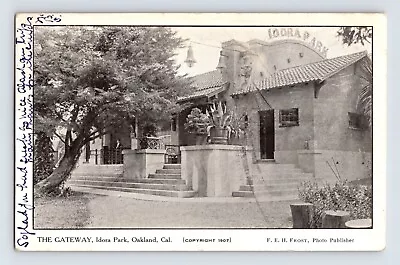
(269, 187)
(247, 194)
(297, 175)
(279, 194)
(161, 181)
(99, 177)
(155, 186)
(172, 166)
(284, 180)
(98, 169)
(168, 171)
(165, 176)
(169, 193)
(269, 165)
(121, 179)
(278, 171)
(100, 174)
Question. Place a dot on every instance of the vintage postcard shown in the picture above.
(200, 132)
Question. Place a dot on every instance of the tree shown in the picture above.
(89, 80)
(364, 103)
(355, 35)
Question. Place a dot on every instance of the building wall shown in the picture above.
(280, 55)
(323, 133)
(337, 147)
(263, 58)
(331, 165)
(287, 139)
(336, 98)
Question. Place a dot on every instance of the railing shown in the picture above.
(150, 143)
(112, 156)
(172, 154)
(96, 154)
(107, 156)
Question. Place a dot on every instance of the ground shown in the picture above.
(63, 212)
(82, 210)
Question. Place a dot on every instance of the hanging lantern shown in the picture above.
(221, 63)
(190, 61)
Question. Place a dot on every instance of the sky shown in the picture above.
(207, 53)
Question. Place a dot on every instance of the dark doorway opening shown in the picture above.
(267, 134)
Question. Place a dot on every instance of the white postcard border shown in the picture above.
(27, 238)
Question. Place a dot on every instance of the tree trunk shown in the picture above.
(59, 175)
(335, 219)
(302, 214)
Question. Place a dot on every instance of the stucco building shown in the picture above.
(299, 115)
(300, 107)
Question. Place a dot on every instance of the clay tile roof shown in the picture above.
(206, 84)
(317, 71)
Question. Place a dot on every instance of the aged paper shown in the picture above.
(200, 132)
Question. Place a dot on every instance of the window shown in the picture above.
(357, 121)
(289, 117)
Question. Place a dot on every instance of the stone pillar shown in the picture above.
(107, 139)
(134, 142)
(138, 164)
(215, 170)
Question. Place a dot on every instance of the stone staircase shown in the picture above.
(273, 181)
(165, 182)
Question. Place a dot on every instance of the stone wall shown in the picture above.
(215, 170)
(138, 164)
(325, 164)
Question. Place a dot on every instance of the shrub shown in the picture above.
(196, 122)
(219, 116)
(43, 159)
(355, 199)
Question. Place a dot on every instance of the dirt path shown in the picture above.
(112, 211)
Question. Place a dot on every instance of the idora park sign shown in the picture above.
(302, 35)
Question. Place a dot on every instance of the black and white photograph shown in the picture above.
(199, 132)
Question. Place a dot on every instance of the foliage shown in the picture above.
(355, 199)
(238, 124)
(91, 80)
(149, 129)
(364, 103)
(196, 122)
(43, 160)
(354, 35)
(219, 116)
